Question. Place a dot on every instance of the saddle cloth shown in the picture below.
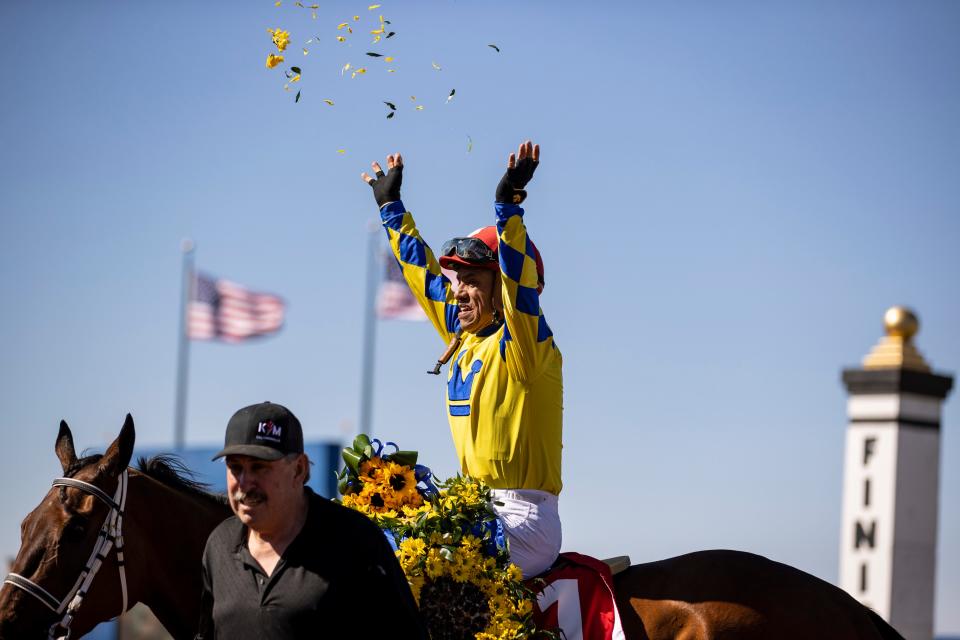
(576, 596)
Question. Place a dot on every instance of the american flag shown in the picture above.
(223, 310)
(395, 302)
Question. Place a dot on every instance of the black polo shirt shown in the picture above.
(339, 576)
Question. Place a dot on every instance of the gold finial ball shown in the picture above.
(901, 321)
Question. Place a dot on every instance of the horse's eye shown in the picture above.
(75, 529)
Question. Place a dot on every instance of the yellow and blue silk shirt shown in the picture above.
(505, 385)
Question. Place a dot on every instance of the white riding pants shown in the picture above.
(531, 523)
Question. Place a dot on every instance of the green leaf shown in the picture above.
(391, 105)
(352, 459)
(374, 55)
(391, 114)
(391, 34)
(295, 69)
(408, 458)
(361, 441)
(297, 99)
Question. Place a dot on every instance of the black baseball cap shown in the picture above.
(267, 431)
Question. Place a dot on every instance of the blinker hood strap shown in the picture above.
(88, 488)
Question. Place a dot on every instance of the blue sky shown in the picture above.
(729, 198)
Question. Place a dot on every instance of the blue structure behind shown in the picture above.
(324, 455)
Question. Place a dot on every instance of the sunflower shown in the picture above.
(448, 544)
(454, 610)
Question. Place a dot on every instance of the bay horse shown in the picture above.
(164, 526)
(708, 595)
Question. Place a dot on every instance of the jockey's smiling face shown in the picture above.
(478, 294)
(263, 492)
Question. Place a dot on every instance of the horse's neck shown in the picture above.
(165, 532)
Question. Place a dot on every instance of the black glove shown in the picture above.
(510, 190)
(386, 187)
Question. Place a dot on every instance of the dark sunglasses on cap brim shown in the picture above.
(470, 249)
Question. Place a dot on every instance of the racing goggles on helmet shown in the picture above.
(472, 250)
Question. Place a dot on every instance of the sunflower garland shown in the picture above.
(448, 541)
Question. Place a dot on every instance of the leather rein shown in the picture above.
(110, 536)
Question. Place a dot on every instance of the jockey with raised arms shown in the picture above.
(505, 386)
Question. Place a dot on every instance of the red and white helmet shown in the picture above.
(467, 252)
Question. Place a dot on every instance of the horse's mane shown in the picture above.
(170, 470)
(166, 469)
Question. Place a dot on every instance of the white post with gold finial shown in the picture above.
(891, 479)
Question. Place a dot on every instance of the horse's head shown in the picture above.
(57, 539)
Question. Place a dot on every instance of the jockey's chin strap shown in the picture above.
(110, 536)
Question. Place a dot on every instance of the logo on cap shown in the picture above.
(269, 431)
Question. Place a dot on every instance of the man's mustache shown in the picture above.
(251, 497)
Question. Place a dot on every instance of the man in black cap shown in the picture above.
(292, 564)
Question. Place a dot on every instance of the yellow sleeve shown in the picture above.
(421, 270)
(527, 343)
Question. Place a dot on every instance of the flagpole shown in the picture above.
(369, 330)
(183, 346)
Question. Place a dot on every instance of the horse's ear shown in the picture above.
(64, 446)
(118, 454)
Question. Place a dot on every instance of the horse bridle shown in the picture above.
(110, 536)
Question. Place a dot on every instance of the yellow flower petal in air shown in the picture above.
(341, 151)
(273, 60)
(375, 40)
(376, 31)
(277, 3)
(346, 68)
(436, 66)
(341, 39)
(419, 107)
(372, 7)
(355, 18)
(388, 59)
(391, 71)
(328, 101)
(295, 78)
(305, 51)
(342, 25)
(281, 38)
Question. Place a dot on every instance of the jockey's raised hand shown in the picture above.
(386, 186)
(520, 168)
